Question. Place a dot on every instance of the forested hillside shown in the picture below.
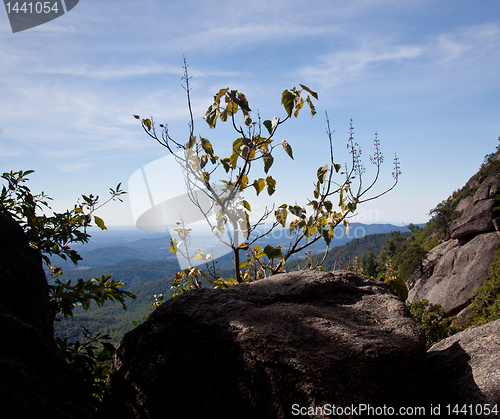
(147, 279)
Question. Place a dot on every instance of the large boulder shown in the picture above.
(262, 349)
(25, 291)
(464, 369)
(453, 271)
(35, 380)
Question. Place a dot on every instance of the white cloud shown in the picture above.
(466, 43)
(74, 167)
(109, 72)
(428, 61)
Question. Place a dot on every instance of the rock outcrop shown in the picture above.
(257, 349)
(35, 380)
(465, 368)
(455, 271)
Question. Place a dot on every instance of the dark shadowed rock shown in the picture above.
(25, 292)
(256, 349)
(465, 368)
(452, 272)
(35, 381)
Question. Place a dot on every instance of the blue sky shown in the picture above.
(423, 74)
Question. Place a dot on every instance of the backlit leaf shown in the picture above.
(322, 171)
(226, 163)
(288, 101)
(203, 161)
(191, 142)
(207, 146)
(271, 185)
(221, 93)
(268, 162)
(100, 223)
(147, 122)
(259, 185)
(313, 94)
(273, 252)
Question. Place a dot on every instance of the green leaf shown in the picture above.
(288, 148)
(268, 162)
(299, 104)
(271, 185)
(311, 106)
(233, 160)
(191, 142)
(322, 171)
(204, 161)
(226, 163)
(211, 116)
(207, 146)
(259, 185)
(311, 231)
(137, 117)
(221, 93)
(288, 101)
(316, 191)
(244, 182)
(327, 237)
(281, 216)
(273, 252)
(247, 205)
(270, 125)
(267, 123)
(100, 223)
(243, 102)
(313, 94)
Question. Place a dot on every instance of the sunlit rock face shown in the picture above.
(456, 271)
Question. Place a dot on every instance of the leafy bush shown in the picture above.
(52, 235)
(432, 318)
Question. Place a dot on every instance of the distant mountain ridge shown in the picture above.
(124, 248)
(146, 278)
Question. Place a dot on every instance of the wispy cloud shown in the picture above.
(74, 167)
(248, 35)
(468, 43)
(109, 72)
(409, 62)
